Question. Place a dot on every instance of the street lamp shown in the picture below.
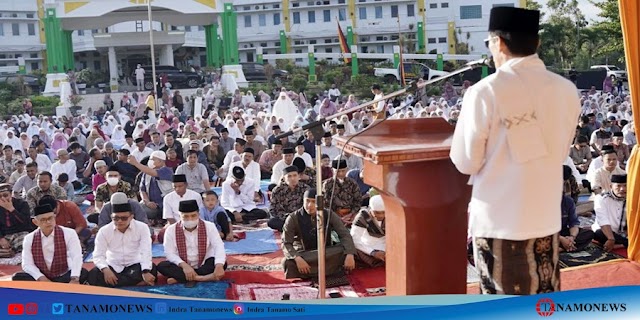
(153, 55)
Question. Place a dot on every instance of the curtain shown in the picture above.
(629, 10)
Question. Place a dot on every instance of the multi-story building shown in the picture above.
(376, 27)
(20, 34)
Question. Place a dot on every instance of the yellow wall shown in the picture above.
(452, 33)
(523, 3)
(285, 15)
(351, 11)
(43, 39)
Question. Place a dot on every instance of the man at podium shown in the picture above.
(513, 141)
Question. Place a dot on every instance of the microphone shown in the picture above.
(480, 62)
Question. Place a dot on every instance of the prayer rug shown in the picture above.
(590, 255)
(157, 251)
(368, 282)
(206, 290)
(256, 242)
(296, 291)
(13, 261)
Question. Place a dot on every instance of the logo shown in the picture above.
(238, 309)
(15, 309)
(31, 308)
(57, 308)
(545, 307)
(161, 308)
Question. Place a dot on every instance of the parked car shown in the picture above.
(612, 70)
(412, 71)
(254, 72)
(177, 77)
(28, 80)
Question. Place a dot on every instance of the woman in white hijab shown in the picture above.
(108, 125)
(349, 129)
(248, 99)
(139, 130)
(82, 139)
(117, 138)
(285, 108)
(13, 141)
(3, 132)
(234, 132)
(33, 129)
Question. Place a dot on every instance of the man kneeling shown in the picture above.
(300, 242)
(51, 253)
(193, 248)
(368, 233)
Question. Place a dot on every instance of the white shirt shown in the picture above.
(332, 151)
(608, 212)
(68, 167)
(252, 171)
(44, 163)
(120, 250)
(237, 202)
(171, 203)
(504, 175)
(353, 162)
(277, 173)
(335, 92)
(129, 147)
(595, 164)
(139, 155)
(231, 157)
(307, 159)
(381, 103)
(140, 73)
(364, 242)
(74, 252)
(574, 171)
(602, 178)
(215, 247)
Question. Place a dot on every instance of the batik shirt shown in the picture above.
(284, 200)
(347, 195)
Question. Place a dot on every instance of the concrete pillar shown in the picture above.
(440, 62)
(354, 61)
(396, 56)
(283, 42)
(421, 38)
(350, 41)
(166, 55)
(214, 59)
(53, 33)
(259, 55)
(113, 69)
(485, 68)
(230, 35)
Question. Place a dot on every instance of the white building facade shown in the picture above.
(20, 34)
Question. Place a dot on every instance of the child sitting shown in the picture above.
(213, 212)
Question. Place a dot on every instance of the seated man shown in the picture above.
(357, 175)
(127, 171)
(62, 181)
(122, 253)
(196, 173)
(602, 179)
(15, 222)
(26, 182)
(171, 202)
(611, 210)
(193, 248)
(300, 242)
(368, 233)
(45, 187)
(68, 215)
(238, 197)
(621, 149)
(213, 212)
(250, 167)
(345, 198)
(139, 214)
(114, 184)
(51, 252)
(571, 237)
(286, 197)
(278, 167)
(155, 183)
(580, 154)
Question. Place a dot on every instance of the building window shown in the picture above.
(328, 50)
(327, 15)
(30, 15)
(33, 56)
(277, 44)
(471, 12)
(378, 12)
(363, 13)
(433, 6)
(342, 14)
(1, 29)
(394, 11)
(298, 59)
(276, 6)
(276, 19)
(411, 10)
(246, 8)
(446, 5)
(503, 5)
(295, 4)
(200, 28)
(364, 49)
(15, 28)
(312, 16)
(187, 28)
(442, 40)
(96, 65)
(327, 41)
(313, 41)
(380, 49)
(296, 18)
(35, 66)
(431, 40)
(341, 1)
(247, 21)
(262, 20)
(249, 56)
(263, 44)
(80, 33)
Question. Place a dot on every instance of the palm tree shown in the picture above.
(590, 40)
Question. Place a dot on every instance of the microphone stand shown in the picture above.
(317, 131)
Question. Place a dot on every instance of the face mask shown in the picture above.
(190, 224)
(608, 129)
(112, 181)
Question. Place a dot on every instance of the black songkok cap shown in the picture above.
(250, 150)
(42, 209)
(139, 140)
(327, 135)
(310, 194)
(179, 178)
(566, 172)
(619, 178)
(510, 19)
(238, 173)
(241, 141)
(339, 164)
(288, 151)
(188, 206)
(289, 169)
(340, 126)
(618, 134)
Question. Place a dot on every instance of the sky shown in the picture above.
(589, 10)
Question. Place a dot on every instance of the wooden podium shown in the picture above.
(425, 200)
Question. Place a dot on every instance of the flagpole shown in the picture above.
(153, 55)
(401, 65)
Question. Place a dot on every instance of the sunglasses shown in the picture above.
(119, 218)
(488, 40)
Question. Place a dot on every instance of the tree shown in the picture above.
(610, 29)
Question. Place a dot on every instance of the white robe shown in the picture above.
(285, 108)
